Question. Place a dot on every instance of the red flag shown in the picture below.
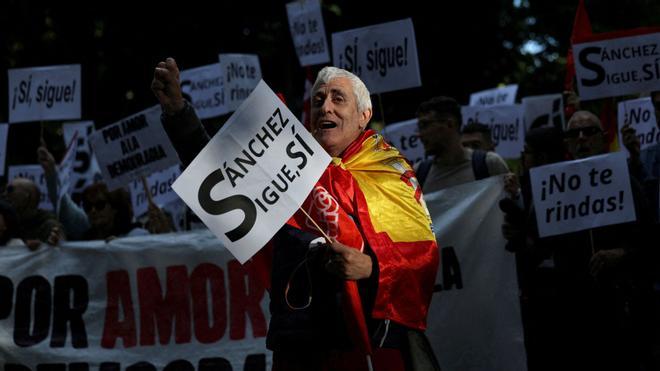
(581, 29)
(307, 98)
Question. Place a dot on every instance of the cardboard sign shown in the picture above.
(640, 114)
(133, 147)
(576, 195)
(505, 123)
(405, 137)
(494, 97)
(384, 56)
(44, 93)
(619, 66)
(86, 167)
(206, 87)
(253, 174)
(308, 32)
(543, 110)
(242, 73)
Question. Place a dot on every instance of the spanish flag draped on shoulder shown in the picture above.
(372, 189)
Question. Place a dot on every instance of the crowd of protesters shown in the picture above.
(589, 298)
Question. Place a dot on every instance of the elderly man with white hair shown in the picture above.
(391, 252)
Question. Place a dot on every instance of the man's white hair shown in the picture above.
(359, 89)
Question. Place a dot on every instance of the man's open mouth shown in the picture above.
(327, 125)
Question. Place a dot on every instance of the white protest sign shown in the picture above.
(405, 137)
(505, 123)
(206, 87)
(494, 97)
(384, 56)
(133, 147)
(86, 167)
(253, 174)
(44, 93)
(620, 66)
(4, 133)
(582, 194)
(640, 113)
(308, 31)
(36, 174)
(160, 187)
(242, 73)
(65, 168)
(543, 110)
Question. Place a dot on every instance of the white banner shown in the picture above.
(494, 97)
(4, 133)
(161, 302)
(160, 187)
(405, 137)
(133, 147)
(242, 73)
(36, 174)
(206, 87)
(576, 195)
(253, 174)
(44, 93)
(474, 321)
(384, 56)
(86, 167)
(543, 110)
(640, 114)
(620, 66)
(308, 31)
(505, 123)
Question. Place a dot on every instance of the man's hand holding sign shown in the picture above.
(259, 170)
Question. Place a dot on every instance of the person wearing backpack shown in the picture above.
(439, 123)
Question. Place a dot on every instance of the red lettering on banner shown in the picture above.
(173, 307)
(119, 294)
(245, 300)
(207, 331)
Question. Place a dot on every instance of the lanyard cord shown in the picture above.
(309, 279)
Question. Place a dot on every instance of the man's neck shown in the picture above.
(454, 155)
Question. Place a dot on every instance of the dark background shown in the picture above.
(463, 46)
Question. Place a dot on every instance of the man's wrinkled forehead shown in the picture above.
(583, 120)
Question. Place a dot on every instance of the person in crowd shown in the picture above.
(534, 266)
(602, 275)
(110, 213)
(91, 222)
(73, 218)
(476, 135)
(314, 334)
(439, 123)
(8, 225)
(35, 225)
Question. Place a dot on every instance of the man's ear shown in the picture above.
(365, 117)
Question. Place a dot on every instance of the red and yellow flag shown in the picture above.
(375, 189)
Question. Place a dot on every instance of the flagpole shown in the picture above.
(315, 225)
